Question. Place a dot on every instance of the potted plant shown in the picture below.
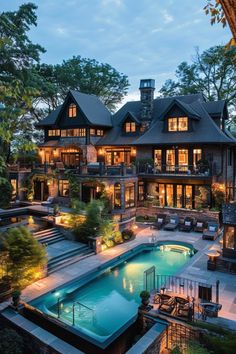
(56, 209)
(145, 296)
(16, 297)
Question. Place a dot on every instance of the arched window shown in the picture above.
(117, 196)
(72, 110)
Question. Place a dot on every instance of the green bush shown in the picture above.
(10, 342)
(118, 237)
(221, 344)
(25, 256)
(6, 192)
(127, 234)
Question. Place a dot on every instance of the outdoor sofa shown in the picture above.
(212, 231)
(187, 225)
(173, 223)
(159, 222)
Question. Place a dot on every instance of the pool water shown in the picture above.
(104, 305)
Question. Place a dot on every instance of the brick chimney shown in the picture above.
(147, 88)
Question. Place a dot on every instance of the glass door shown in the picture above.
(170, 195)
(179, 196)
(188, 197)
(170, 160)
(183, 160)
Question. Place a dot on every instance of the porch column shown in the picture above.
(122, 192)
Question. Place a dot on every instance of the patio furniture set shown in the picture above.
(210, 230)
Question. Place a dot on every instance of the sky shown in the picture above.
(140, 38)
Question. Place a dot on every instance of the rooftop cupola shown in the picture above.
(147, 88)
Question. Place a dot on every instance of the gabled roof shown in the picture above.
(94, 110)
(186, 107)
(132, 116)
(215, 108)
(205, 131)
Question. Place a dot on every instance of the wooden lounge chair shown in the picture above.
(212, 231)
(168, 307)
(199, 226)
(173, 224)
(187, 224)
(159, 222)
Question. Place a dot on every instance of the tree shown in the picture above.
(223, 11)
(25, 256)
(17, 79)
(212, 72)
(85, 75)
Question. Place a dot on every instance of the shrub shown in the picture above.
(127, 234)
(118, 237)
(6, 192)
(25, 257)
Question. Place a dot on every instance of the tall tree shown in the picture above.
(212, 72)
(223, 11)
(17, 80)
(86, 75)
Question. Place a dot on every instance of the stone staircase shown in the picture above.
(68, 258)
(49, 236)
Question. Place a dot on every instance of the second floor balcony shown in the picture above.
(175, 170)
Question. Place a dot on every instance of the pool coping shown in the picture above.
(97, 271)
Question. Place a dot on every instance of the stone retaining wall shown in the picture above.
(205, 215)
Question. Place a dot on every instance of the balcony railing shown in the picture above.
(179, 170)
(100, 169)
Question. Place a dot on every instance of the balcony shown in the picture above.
(204, 171)
(91, 169)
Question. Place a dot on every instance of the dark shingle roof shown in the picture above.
(50, 119)
(205, 129)
(214, 108)
(91, 106)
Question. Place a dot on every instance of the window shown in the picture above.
(178, 124)
(229, 237)
(141, 191)
(158, 158)
(197, 155)
(130, 127)
(117, 196)
(14, 187)
(99, 132)
(63, 188)
(72, 110)
(129, 195)
(170, 160)
(73, 132)
(92, 132)
(183, 159)
(54, 132)
(169, 195)
(118, 156)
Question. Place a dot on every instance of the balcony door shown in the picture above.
(70, 159)
(170, 160)
(183, 160)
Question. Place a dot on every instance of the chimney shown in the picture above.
(147, 88)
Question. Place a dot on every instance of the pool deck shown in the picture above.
(195, 269)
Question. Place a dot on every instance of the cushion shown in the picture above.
(187, 223)
(199, 224)
(159, 220)
(212, 228)
(172, 221)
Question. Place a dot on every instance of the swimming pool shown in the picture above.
(104, 303)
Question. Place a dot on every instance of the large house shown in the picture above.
(166, 150)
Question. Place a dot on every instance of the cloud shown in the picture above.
(167, 18)
(117, 3)
(61, 31)
(155, 30)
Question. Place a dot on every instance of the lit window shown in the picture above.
(129, 195)
(92, 132)
(178, 124)
(54, 132)
(63, 132)
(99, 132)
(117, 196)
(63, 188)
(130, 127)
(72, 110)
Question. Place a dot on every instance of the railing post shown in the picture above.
(217, 291)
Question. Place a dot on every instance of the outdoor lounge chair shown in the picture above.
(161, 298)
(48, 202)
(199, 226)
(212, 231)
(159, 222)
(173, 223)
(187, 225)
(168, 307)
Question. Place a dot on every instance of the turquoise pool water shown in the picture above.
(103, 306)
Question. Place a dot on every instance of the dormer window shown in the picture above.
(72, 110)
(179, 124)
(130, 127)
